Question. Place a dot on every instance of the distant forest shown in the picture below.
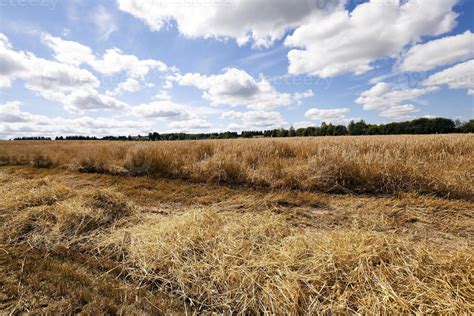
(418, 126)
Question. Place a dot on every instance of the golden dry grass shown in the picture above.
(100, 241)
(433, 164)
(258, 263)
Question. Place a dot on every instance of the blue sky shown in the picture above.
(131, 67)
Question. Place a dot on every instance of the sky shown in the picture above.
(129, 67)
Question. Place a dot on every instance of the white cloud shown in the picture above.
(162, 95)
(89, 100)
(390, 101)
(13, 64)
(333, 116)
(75, 88)
(115, 61)
(255, 120)
(235, 87)
(68, 52)
(445, 51)
(299, 96)
(400, 112)
(190, 125)
(64, 82)
(161, 109)
(343, 41)
(302, 124)
(4, 40)
(262, 21)
(167, 85)
(10, 113)
(129, 85)
(44, 75)
(16, 123)
(112, 62)
(383, 96)
(327, 114)
(460, 76)
(232, 115)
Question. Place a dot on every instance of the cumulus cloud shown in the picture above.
(329, 115)
(390, 100)
(88, 100)
(235, 87)
(75, 88)
(10, 113)
(335, 116)
(68, 52)
(162, 95)
(190, 125)
(40, 73)
(112, 62)
(13, 64)
(384, 95)
(460, 76)
(445, 51)
(400, 112)
(129, 85)
(162, 109)
(255, 120)
(232, 115)
(348, 42)
(262, 21)
(178, 117)
(17, 123)
(299, 96)
(115, 61)
(302, 124)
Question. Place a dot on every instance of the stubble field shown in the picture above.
(365, 225)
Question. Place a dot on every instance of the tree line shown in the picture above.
(417, 126)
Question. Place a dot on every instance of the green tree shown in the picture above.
(357, 128)
(291, 132)
(468, 127)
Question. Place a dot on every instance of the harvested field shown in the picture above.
(368, 225)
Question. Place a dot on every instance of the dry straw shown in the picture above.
(432, 164)
(257, 263)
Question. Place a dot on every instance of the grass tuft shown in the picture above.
(40, 160)
(53, 221)
(257, 263)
